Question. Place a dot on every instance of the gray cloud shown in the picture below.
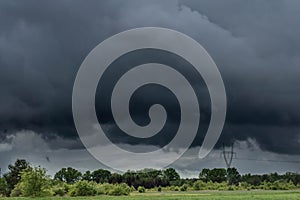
(32, 147)
(255, 44)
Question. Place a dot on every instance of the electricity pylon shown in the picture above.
(228, 156)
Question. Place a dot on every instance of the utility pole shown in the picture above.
(228, 156)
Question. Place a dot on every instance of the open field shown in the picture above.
(209, 195)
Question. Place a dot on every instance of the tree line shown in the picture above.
(24, 180)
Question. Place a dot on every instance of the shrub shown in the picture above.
(17, 191)
(159, 189)
(276, 185)
(184, 187)
(120, 189)
(199, 185)
(141, 189)
(104, 188)
(132, 189)
(83, 188)
(60, 189)
(245, 185)
(115, 190)
(230, 188)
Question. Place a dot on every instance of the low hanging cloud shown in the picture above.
(32, 147)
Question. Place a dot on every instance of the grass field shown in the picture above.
(210, 195)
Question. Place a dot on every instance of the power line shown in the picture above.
(263, 160)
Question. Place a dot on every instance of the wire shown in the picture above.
(281, 161)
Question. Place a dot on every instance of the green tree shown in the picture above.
(101, 176)
(115, 178)
(4, 190)
(130, 178)
(150, 178)
(34, 182)
(233, 176)
(294, 177)
(13, 177)
(68, 175)
(171, 174)
(274, 177)
(87, 176)
(255, 180)
(204, 175)
(217, 175)
(214, 175)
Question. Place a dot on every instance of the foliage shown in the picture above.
(233, 176)
(120, 189)
(17, 191)
(60, 189)
(184, 188)
(113, 189)
(141, 189)
(87, 176)
(159, 189)
(115, 178)
(83, 188)
(68, 175)
(4, 190)
(148, 178)
(101, 176)
(34, 182)
(218, 175)
(69, 181)
(204, 175)
(171, 174)
(13, 177)
(215, 175)
(199, 185)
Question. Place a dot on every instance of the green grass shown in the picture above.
(205, 195)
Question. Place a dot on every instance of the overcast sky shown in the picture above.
(255, 44)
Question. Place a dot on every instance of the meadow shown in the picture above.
(203, 195)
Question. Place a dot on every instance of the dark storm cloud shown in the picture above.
(255, 44)
(42, 46)
(264, 90)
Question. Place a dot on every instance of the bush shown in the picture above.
(199, 185)
(132, 189)
(115, 190)
(245, 185)
(17, 191)
(83, 188)
(141, 189)
(60, 189)
(104, 188)
(184, 187)
(120, 189)
(159, 189)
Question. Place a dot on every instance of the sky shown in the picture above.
(254, 43)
